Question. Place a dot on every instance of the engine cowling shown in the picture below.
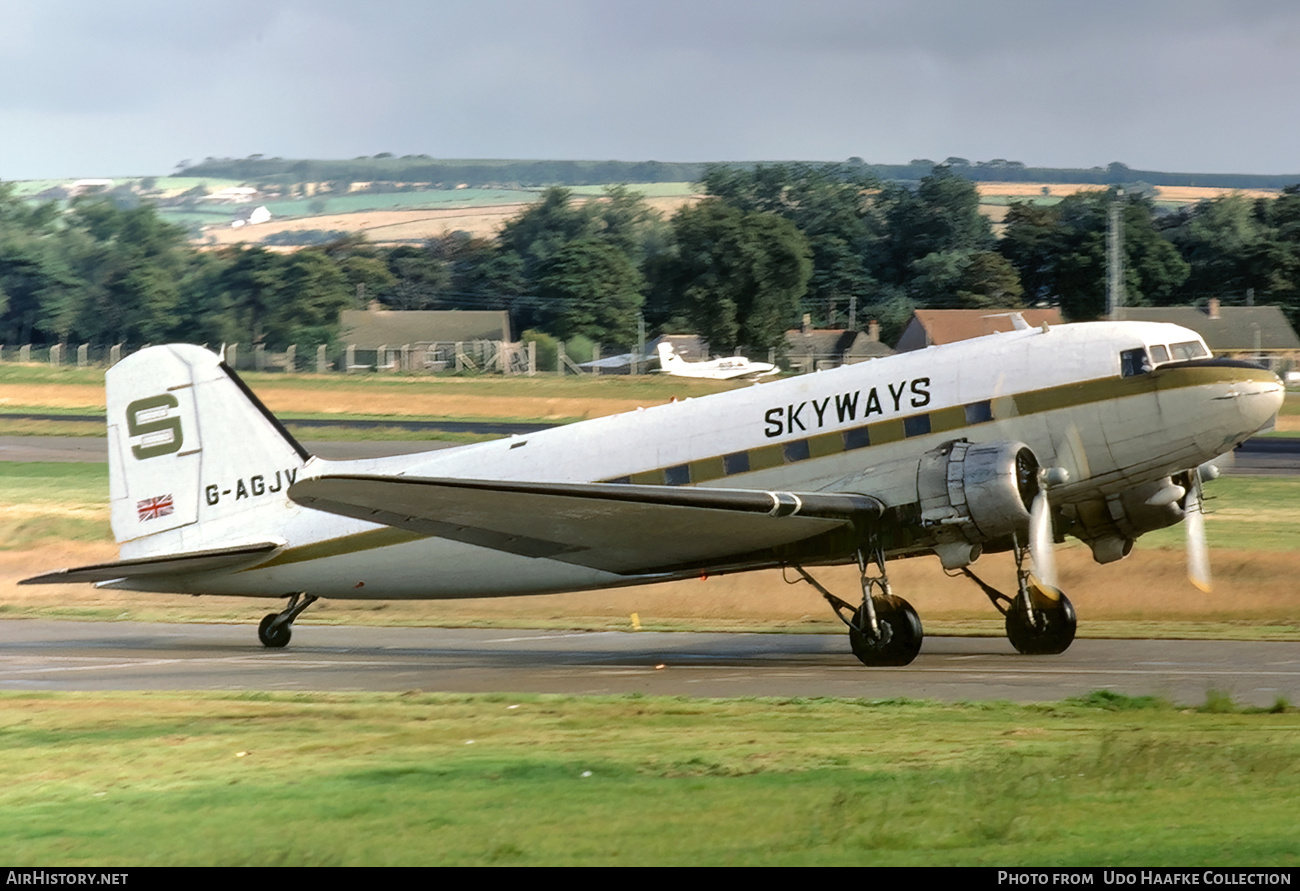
(1109, 526)
(974, 493)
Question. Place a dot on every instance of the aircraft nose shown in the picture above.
(1261, 399)
(1255, 392)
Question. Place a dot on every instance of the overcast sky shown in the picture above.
(134, 86)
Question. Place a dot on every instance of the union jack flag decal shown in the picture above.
(153, 508)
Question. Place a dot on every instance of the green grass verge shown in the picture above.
(418, 779)
(72, 426)
(1246, 512)
(43, 502)
(42, 373)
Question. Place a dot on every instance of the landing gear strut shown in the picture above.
(276, 628)
(1040, 619)
(884, 630)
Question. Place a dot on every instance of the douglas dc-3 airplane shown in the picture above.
(724, 369)
(1003, 443)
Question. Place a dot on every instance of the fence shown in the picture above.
(483, 356)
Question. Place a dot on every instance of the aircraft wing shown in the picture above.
(171, 564)
(619, 528)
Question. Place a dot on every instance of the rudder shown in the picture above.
(191, 453)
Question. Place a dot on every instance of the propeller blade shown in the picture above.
(1198, 552)
(1042, 547)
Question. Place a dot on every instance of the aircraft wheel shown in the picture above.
(1050, 632)
(900, 633)
(273, 635)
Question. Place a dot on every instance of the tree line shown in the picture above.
(766, 245)
(385, 168)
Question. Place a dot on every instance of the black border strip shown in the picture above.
(266, 412)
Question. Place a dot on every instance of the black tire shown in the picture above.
(273, 635)
(1052, 633)
(900, 638)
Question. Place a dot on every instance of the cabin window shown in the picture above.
(857, 438)
(917, 425)
(1192, 349)
(979, 412)
(1159, 354)
(796, 451)
(677, 476)
(1133, 362)
(736, 462)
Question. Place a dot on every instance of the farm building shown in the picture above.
(431, 340)
(372, 328)
(813, 349)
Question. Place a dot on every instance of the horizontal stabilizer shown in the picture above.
(155, 567)
(621, 528)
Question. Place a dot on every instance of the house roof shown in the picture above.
(370, 329)
(838, 342)
(951, 325)
(1235, 329)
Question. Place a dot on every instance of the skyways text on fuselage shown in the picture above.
(843, 408)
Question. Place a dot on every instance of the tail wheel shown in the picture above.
(273, 634)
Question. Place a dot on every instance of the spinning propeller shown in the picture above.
(1042, 543)
(1198, 553)
(1042, 539)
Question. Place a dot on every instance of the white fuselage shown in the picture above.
(858, 428)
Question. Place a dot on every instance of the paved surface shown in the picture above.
(1265, 455)
(52, 655)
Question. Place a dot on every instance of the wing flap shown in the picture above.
(152, 567)
(626, 529)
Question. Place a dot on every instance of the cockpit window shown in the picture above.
(1159, 354)
(1192, 349)
(1132, 362)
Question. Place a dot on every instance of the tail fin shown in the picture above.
(668, 357)
(195, 460)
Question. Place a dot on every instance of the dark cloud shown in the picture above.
(135, 85)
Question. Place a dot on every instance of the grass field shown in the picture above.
(416, 216)
(417, 779)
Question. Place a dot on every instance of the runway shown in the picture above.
(48, 655)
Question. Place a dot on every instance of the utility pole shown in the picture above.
(639, 356)
(1115, 257)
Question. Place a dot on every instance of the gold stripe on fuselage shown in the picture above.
(765, 457)
(941, 420)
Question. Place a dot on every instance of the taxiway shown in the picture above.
(52, 655)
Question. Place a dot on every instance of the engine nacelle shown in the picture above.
(1109, 526)
(971, 494)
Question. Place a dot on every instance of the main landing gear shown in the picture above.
(1040, 619)
(884, 630)
(277, 628)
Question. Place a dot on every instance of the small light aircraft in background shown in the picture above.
(726, 369)
(1004, 443)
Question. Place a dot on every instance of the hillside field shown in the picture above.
(390, 218)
